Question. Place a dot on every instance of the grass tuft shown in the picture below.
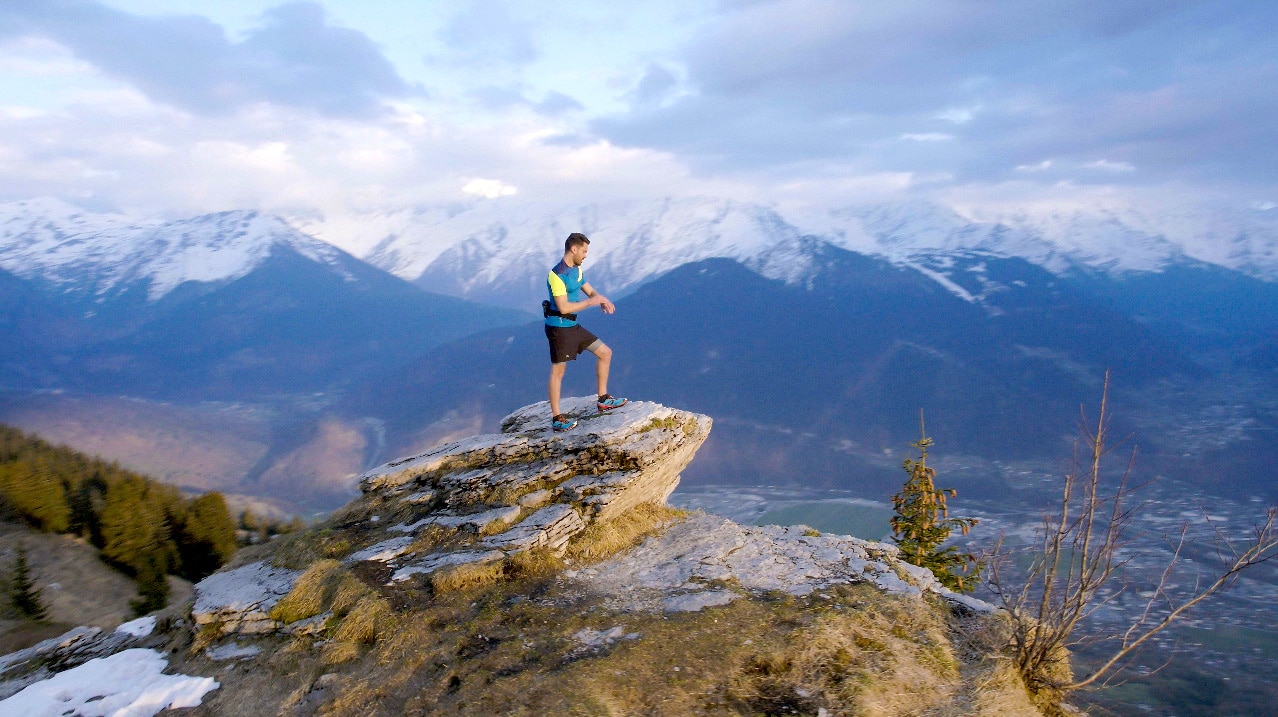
(208, 634)
(347, 594)
(337, 652)
(365, 622)
(467, 577)
(310, 593)
(601, 539)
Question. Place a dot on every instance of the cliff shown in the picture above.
(528, 572)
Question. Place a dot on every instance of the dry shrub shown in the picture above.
(887, 659)
(312, 591)
(603, 538)
(466, 577)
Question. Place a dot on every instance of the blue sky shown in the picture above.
(181, 106)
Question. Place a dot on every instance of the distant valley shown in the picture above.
(234, 352)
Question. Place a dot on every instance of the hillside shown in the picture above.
(531, 573)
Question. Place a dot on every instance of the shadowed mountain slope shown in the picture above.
(801, 377)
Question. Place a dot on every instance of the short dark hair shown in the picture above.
(574, 239)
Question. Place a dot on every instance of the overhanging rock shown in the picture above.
(529, 487)
(486, 497)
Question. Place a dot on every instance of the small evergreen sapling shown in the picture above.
(23, 594)
(922, 524)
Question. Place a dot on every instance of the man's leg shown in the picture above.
(556, 381)
(604, 354)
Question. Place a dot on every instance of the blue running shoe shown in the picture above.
(607, 402)
(562, 423)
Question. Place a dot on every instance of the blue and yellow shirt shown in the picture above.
(564, 280)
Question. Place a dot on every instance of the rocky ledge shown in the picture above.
(488, 497)
(483, 499)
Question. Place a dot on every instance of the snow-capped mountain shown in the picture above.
(498, 251)
(99, 254)
(231, 304)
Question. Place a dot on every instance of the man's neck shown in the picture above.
(568, 261)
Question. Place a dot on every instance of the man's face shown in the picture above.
(578, 253)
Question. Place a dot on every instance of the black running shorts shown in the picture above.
(568, 341)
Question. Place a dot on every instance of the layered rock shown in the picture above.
(485, 498)
(707, 560)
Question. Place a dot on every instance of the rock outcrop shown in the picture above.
(486, 498)
(688, 566)
(483, 499)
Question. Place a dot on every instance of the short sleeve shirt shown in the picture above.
(564, 280)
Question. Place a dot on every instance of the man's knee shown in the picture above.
(557, 369)
(601, 351)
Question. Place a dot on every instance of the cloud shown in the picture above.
(1107, 166)
(1040, 167)
(553, 104)
(293, 59)
(489, 32)
(655, 86)
(1172, 87)
(488, 188)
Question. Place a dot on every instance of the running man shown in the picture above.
(569, 294)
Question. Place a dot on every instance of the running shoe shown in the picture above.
(563, 422)
(607, 402)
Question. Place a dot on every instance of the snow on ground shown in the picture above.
(127, 684)
(140, 627)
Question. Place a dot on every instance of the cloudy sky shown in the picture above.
(181, 106)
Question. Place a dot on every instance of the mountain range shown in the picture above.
(813, 341)
(496, 252)
(223, 306)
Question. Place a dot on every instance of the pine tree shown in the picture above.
(36, 493)
(136, 527)
(922, 524)
(153, 587)
(23, 594)
(207, 536)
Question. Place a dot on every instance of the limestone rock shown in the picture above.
(240, 600)
(617, 459)
(491, 495)
(527, 487)
(686, 567)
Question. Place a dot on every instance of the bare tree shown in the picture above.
(1080, 550)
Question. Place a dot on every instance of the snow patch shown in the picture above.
(140, 627)
(127, 684)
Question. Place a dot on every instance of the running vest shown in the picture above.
(564, 280)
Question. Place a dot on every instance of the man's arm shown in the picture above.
(572, 307)
(608, 308)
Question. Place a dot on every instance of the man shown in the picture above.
(569, 294)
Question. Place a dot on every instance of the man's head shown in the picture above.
(575, 247)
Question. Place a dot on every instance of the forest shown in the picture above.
(140, 526)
